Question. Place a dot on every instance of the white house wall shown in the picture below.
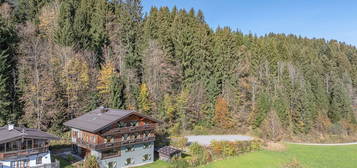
(46, 159)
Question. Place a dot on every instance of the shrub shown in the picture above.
(175, 129)
(196, 149)
(229, 149)
(179, 163)
(179, 142)
(256, 144)
(216, 147)
(91, 162)
(199, 130)
(70, 158)
(226, 148)
(292, 164)
(199, 155)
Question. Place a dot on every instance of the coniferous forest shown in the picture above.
(62, 58)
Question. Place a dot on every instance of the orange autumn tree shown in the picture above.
(222, 116)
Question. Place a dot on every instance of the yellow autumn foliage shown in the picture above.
(76, 75)
(144, 100)
(105, 78)
(48, 19)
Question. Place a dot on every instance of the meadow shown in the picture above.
(305, 156)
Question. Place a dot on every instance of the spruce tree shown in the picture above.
(340, 103)
(65, 34)
(5, 100)
(8, 44)
(98, 33)
(82, 24)
(117, 98)
(28, 9)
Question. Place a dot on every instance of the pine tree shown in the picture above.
(263, 108)
(97, 30)
(129, 32)
(340, 104)
(5, 101)
(28, 9)
(183, 39)
(117, 98)
(65, 34)
(82, 24)
(8, 44)
(130, 18)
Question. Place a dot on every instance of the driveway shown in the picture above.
(206, 139)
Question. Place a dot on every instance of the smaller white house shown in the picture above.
(25, 147)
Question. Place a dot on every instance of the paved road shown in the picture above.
(320, 144)
(206, 139)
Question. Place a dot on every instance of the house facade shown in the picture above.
(25, 147)
(117, 138)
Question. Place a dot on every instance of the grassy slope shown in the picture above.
(308, 156)
(156, 164)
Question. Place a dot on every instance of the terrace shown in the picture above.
(22, 147)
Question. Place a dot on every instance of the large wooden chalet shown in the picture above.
(25, 147)
(117, 138)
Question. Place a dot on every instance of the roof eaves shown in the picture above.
(99, 129)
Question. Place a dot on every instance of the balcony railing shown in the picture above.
(21, 153)
(110, 145)
(116, 144)
(84, 144)
(125, 130)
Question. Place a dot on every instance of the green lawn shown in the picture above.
(156, 164)
(63, 162)
(308, 156)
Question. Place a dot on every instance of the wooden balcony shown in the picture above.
(116, 144)
(109, 145)
(126, 130)
(22, 153)
(84, 144)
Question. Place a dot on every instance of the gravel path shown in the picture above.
(206, 139)
(320, 144)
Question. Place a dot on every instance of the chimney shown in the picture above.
(10, 127)
(103, 109)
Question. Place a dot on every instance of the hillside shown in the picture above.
(62, 58)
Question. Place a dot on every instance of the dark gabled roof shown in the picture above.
(100, 118)
(168, 150)
(7, 135)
